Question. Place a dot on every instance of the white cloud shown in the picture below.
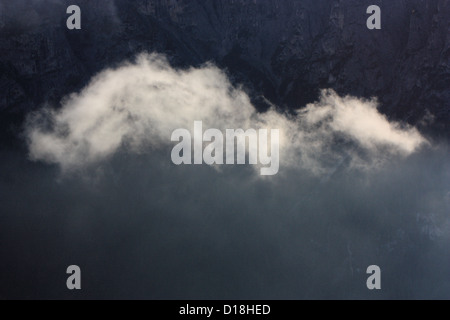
(138, 105)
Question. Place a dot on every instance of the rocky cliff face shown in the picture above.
(281, 51)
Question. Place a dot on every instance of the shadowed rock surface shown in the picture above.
(282, 52)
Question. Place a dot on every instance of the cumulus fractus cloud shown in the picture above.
(138, 105)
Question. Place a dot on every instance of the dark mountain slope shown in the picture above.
(283, 50)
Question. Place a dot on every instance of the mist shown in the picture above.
(95, 187)
(138, 105)
(140, 227)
